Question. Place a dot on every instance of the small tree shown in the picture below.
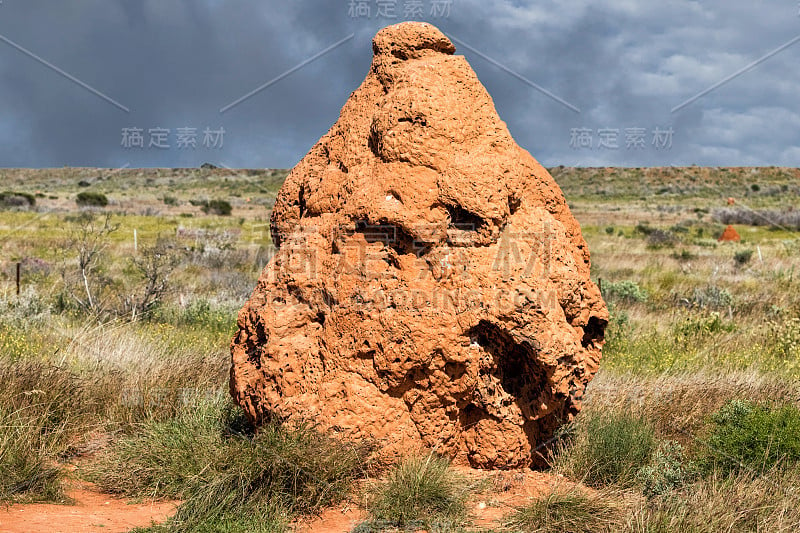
(82, 272)
(154, 266)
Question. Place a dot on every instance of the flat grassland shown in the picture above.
(114, 360)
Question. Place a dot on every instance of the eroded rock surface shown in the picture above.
(431, 286)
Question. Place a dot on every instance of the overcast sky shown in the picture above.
(578, 83)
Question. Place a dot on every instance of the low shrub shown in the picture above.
(758, 217)
(712, 297)
(91, 199)
(752, 437)
(668, 470)
(720, 502)
(684, 255)
(201, 314)
(742, 257)
(17, 199)
(618, 331)
(218, 207)
(783, 339)
(624, 291)
(659, 238)
(681, 228)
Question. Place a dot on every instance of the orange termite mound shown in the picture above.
(730, 235)
(431, 287)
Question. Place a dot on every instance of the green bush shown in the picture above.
(747, 436)
(742, 257)
(17, 199)
(607, 448)
(91, 199)
(619, 330)
(712, 297)
(200, 313)
(702, 325)
(218, 207)
(170, 200)
(624, 291)
(420, 492)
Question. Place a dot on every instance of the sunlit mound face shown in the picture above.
(431, 287)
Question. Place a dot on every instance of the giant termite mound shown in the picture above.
(430, 287)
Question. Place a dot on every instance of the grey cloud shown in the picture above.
(175, 63)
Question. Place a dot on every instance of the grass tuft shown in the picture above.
(421, 492)
(224, 470)
(575, 511)
(607, 449)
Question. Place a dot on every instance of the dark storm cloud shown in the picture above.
(176, 63)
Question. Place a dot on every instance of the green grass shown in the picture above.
(27, 470)
(573, 510)
(40, 413)
(265, 518)
(211, 458)
(719, 502)
(607, 448)
(89, 381)
(419, 492)
(692, 329)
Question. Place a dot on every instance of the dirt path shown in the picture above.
(92, 512)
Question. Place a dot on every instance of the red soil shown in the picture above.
(97, 512)
(504, 492)
(92, 512)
